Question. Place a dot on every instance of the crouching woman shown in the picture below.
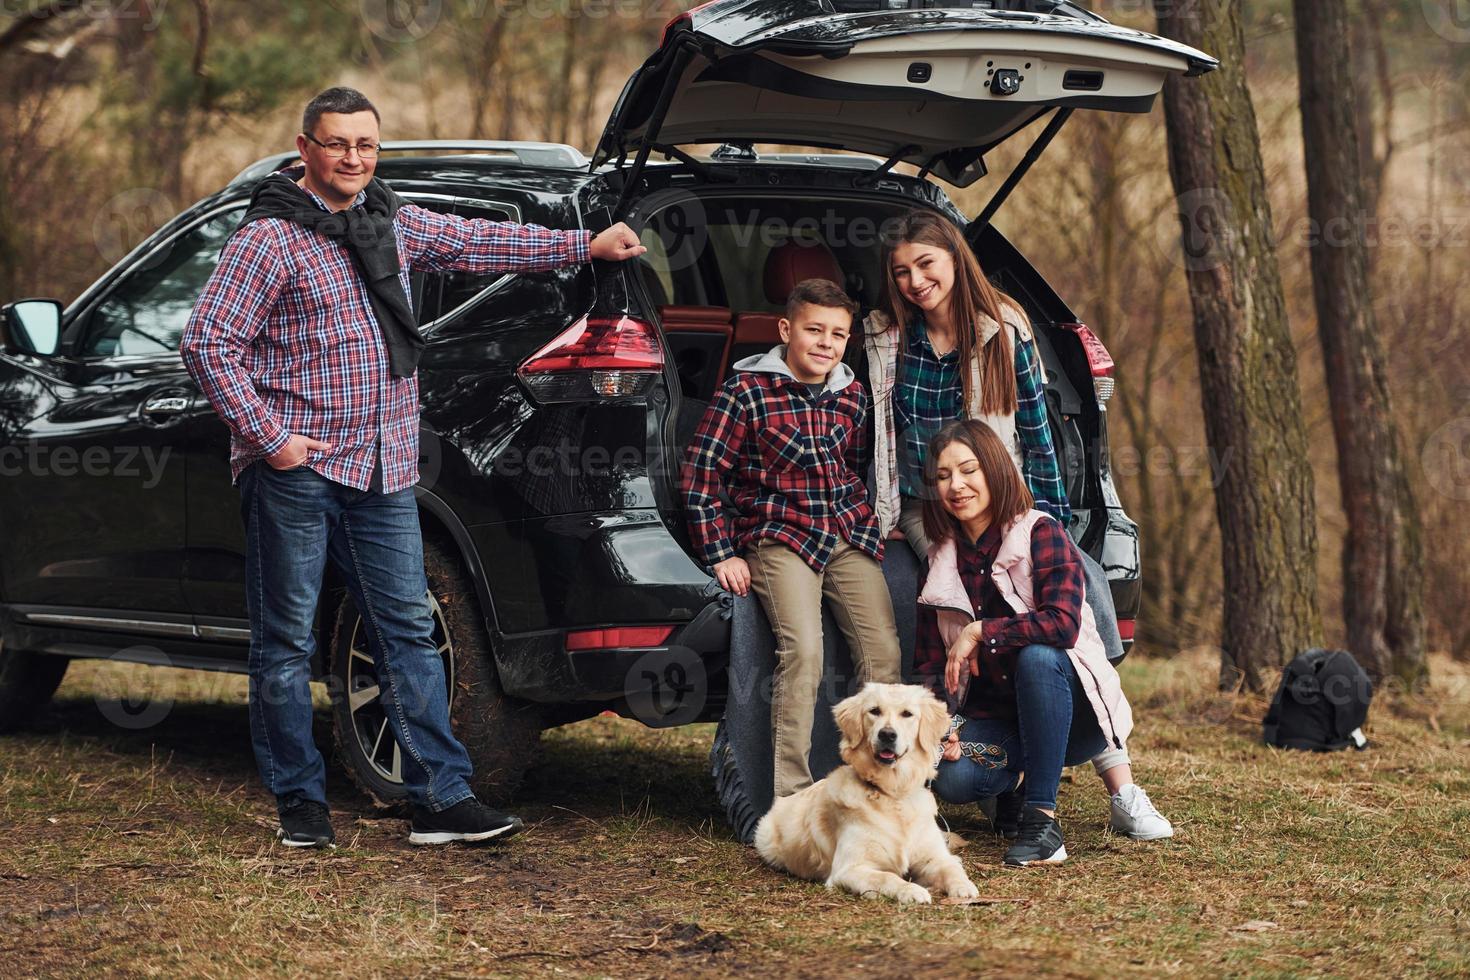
(1003, 626)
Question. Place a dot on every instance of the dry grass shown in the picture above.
(149, 852)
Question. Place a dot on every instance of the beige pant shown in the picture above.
(791, 594)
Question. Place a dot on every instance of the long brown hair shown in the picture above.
(1009, 497)
(971, 296)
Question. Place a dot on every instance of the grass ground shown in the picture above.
(149, 851)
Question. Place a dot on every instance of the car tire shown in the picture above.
(730, 786)
(27, 681)
(500, 733)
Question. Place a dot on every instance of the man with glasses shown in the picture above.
(305, 343)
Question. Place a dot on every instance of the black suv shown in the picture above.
(555, 405)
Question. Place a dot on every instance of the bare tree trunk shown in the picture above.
(1369, 74)
(1382, 559)
(569, 58)
(1248, 381)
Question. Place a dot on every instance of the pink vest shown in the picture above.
(945, 591)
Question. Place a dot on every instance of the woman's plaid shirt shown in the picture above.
(1059, 584)
(283, 340)
(790, 464)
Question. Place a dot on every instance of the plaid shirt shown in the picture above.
(283, 339)
(930, 393)
(791, 464)
(1058, 576)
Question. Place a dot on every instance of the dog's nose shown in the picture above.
(887, 736)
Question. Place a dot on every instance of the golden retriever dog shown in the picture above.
(869, 827)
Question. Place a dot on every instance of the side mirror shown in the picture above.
(33, 326)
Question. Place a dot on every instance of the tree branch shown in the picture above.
(29, 23)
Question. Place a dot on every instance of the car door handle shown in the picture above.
(168, 405)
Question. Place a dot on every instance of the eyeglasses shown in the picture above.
(336, 149)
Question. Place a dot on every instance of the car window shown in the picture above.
(654, 265)
(147, 311)
(454, 289)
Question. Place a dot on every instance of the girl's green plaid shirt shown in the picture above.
(929, 393)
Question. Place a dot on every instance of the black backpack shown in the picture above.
(1321, 704)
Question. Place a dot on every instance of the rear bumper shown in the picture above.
(675, 683)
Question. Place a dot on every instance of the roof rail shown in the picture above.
(557, 156)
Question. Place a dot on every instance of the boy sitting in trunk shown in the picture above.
(785, 438)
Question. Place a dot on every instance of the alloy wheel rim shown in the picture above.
(365, 709)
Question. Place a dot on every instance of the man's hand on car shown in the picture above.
(616, 243)
(293, 453)
(733, 575)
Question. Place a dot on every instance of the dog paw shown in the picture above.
(917, 894)
(965, 889)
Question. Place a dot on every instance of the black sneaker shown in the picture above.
(1039, 842)
(305, 823)
(1007, 819)
(468, 820)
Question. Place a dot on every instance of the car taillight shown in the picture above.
(595, 358)
(673, 23)
(1099, 361)
(1125, 629)
(687, 17)
(618, 636)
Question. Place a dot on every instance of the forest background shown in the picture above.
(116, 114)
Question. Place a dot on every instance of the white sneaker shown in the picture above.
(1134, 815)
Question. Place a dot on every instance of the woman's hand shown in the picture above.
(952, 747)
(962, 656)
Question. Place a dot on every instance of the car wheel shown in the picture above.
(730, 786)
(27, 681)
(500, 733)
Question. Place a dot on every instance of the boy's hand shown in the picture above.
(616, 243)
(733, 575)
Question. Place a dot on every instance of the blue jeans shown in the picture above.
(294, 521)
(1055, 727)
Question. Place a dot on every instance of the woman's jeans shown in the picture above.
(1055, 727)
(1099, 597)
(295, 520)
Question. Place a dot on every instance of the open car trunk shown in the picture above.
(934, 87)
(716, 287)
